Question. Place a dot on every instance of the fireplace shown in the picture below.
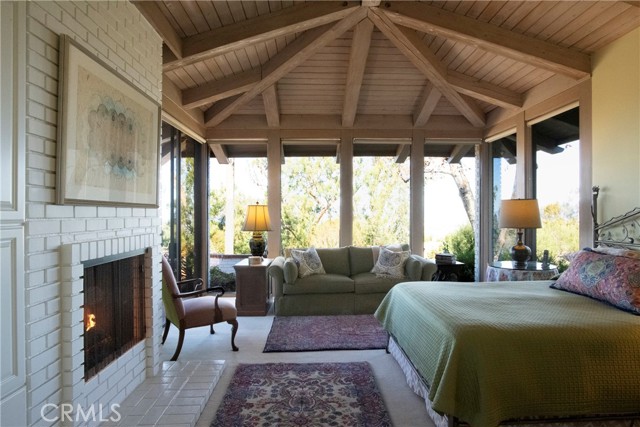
(113, 306)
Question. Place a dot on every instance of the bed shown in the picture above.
(496, 353)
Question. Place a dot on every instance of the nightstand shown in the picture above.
(501, 271)
(253, 293)
(448, 272)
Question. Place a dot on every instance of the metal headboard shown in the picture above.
(621, 231)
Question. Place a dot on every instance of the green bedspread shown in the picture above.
(497, 351)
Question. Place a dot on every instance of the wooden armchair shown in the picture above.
(186, 312)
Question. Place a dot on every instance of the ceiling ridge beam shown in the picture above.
(288, 59)
(357, 62)
(491, 38)
(220, 89)
(286, 21)
(412, 46)
(161, 24)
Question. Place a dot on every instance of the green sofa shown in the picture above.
(348, 287)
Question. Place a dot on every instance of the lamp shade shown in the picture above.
(520, 213)
(257, 218)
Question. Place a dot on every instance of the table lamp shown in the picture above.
(257, 221)
(520, 214)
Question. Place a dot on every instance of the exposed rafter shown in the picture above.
(286, 21)
(357, 62)
(220, 89)
(412, 46)
(153, 14)
(428, 102)
(289, 58)
(220, 152)
(484, 91)
(459, 152)
(429, 19)
(271, 107)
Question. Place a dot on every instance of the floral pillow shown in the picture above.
(308, 262)
(609, 278)
(390, 263)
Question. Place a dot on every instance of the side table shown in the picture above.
(448, 272)
(253, 293)
(501, 271)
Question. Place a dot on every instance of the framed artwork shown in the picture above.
(108, 135)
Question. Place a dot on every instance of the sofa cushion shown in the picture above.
(320, 284)
(391, 263)
(370, 283)
(308, 262)
(335, 260)
(360, 259)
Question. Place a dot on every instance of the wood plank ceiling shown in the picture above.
(233, 70)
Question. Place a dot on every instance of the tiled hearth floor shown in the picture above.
(175, 397)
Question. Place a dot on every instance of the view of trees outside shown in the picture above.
(557, 187)
(504, 187)
(380, 201)
(232, 187)
(310, 202)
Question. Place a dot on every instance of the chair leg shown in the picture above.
(234, 329)
(179, 348)
(167, 325)
(211, 331)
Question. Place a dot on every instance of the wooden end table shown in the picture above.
(253, 293)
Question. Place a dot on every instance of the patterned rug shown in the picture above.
(315, 333)
(302, 394)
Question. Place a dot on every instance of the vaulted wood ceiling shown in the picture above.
(231, 67)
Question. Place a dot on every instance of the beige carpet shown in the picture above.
(405, 408)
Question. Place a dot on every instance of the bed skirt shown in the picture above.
(420, 387)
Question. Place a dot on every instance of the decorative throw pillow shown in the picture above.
(609, 278)
(629, 253)
(390, 263)
(308, 262)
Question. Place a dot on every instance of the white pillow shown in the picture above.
(308, 262)
(391, 263)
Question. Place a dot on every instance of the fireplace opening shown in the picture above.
(113, 308)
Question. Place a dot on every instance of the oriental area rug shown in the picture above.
(316, 333)
(302, 394)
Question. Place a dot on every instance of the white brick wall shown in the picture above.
(116, 33)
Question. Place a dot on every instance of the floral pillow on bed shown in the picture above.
(614, 279)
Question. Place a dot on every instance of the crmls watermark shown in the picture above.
(52, 412)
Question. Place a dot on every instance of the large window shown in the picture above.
(234, 186)
(556, 154)
(503, 155)
(310, 202)
(380, 201)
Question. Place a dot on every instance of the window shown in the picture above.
(380, 201)
(503, 154)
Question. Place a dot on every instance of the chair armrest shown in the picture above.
(200, 292)
(429, 268)
(413, 268)
(190, 285)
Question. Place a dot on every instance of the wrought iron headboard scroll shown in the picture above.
(620, 231)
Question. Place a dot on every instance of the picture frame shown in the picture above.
(108, 135)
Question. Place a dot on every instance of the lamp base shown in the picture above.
(257, 244)
(520, 253)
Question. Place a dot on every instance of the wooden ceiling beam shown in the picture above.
(355, 74)
(428, 102)
(220, 89)
(163, 27)
(286, 21)
(541, 54)
(219, 152)
(288, 59)
(402, 153)
(484, 91)
(412, 46)
(189, 122)
(458, 153)
(271, 107)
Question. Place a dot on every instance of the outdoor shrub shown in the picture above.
(461, 243)
(218, 277)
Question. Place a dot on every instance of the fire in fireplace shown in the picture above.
(113, 308)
